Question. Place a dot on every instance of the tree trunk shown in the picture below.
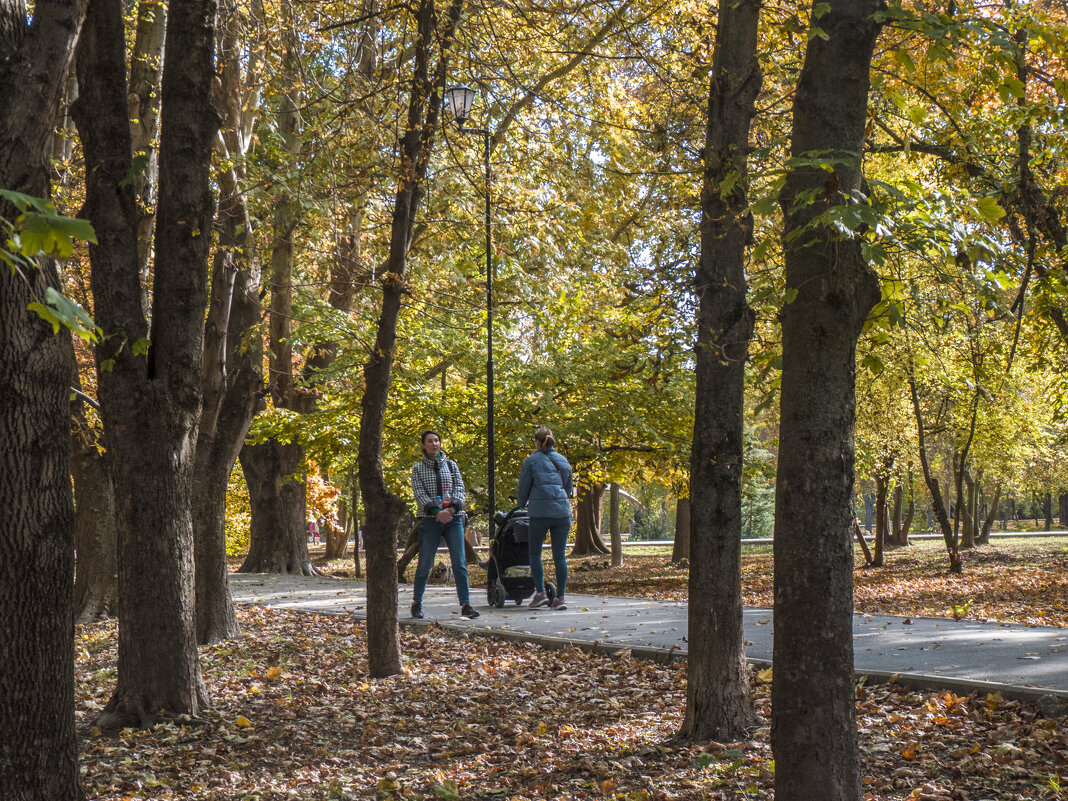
(96, 582)
(588, 540)
(718, 702)
(278, 542)
(938, 506)
(38, 744)
(681, 549)
(984, 535)
(882, 522)
(384, 510)
(1047, 509)
(38, 749)
(613, 525)
(146, 70)
(151, 396)
(899, 529)
(279, 503)
(830, 290)
(336, 541)
(868, 560)
(233, 371)
(968, 520)
(1063, 505)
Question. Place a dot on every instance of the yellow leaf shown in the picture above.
(243, 722)
(274, 672)
(764, 676)
(542, 728)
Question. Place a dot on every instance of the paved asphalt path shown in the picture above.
(1018, 661)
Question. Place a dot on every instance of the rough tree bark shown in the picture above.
(38, 745)
(718, 703)
(151, 396)
(830, 290)
(96, 582)
(384, 509)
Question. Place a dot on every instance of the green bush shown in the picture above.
(651, 526)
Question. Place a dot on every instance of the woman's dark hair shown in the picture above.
(424, 435)
(545, 436)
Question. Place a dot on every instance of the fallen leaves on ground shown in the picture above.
(295, 716)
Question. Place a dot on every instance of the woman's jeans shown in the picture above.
(558, 528)
(430, 534)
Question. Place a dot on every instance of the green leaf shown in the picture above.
(45, 314)
(141, 346)
(1015, 87)
(791, 295)
(989, 209)
(72, 315)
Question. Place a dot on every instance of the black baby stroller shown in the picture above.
(508, 572)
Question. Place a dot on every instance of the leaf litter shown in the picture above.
(295, 716)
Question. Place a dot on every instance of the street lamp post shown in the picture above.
(459, 99)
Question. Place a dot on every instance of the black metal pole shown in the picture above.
(491, 452)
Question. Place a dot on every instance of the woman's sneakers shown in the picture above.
(558, 604)
(539, 599)
(466, 610)
(417, 609)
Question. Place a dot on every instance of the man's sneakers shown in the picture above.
(466, 610)
(539, 599)
(558, 604)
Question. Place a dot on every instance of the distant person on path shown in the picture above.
(545, 488)
(439, 501)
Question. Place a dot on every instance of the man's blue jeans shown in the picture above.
(430, 535)
(558, 528)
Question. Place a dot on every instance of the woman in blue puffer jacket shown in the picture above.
(545, 489)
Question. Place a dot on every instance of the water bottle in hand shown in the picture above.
(446, 498)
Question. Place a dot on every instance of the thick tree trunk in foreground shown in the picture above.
(151, 398)
(588, 540)
(831, 290)
(718, 704)
(38, 752)
(279, 541)
(38, 745)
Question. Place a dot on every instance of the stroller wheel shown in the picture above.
(496, 592)
(550, 590)
(518, 601)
